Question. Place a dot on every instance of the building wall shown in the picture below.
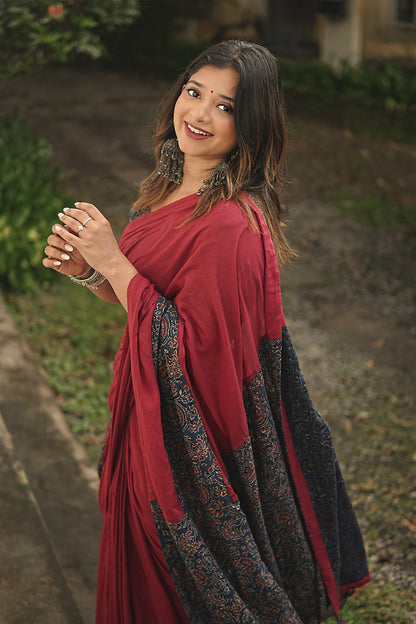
(341, 38)
(223, 19)
(370, 30)
(383, 36)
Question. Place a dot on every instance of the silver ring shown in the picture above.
(86, 221)
(80, 228)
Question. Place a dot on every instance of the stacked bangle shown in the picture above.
(92, 280)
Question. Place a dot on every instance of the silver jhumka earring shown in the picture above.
(171, 161)
(219, 174)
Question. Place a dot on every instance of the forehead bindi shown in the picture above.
(221, 81)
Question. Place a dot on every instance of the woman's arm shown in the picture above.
(105, 292)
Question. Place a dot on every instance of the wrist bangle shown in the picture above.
(87, 273)
(92, 281)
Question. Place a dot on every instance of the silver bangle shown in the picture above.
(87, 273)
(93, 281)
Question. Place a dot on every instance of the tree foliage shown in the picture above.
(35, 32)
(29, 200)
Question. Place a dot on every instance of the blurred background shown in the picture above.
(80, 84)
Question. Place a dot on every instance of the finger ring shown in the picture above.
(86, 221)
(80, 228)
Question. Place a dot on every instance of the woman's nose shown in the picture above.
(202, 111)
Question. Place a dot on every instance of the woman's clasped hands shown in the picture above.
(84, 240)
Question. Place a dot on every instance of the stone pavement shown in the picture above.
(50, 523)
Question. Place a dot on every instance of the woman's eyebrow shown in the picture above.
(201, 86)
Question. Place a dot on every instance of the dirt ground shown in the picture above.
(350, 299)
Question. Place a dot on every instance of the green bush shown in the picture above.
(29, 203)
(390, 84)
(35, 32)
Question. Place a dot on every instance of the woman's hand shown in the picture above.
(63, 257)
(89, 233)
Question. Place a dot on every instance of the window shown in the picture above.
(405, 11)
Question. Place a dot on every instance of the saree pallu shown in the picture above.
(221, 494)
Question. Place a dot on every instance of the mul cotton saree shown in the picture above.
(221, 494)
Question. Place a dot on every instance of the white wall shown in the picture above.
(341, 38)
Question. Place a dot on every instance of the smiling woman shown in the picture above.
(204, 113)
(221, 494)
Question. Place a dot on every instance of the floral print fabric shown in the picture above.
(242, 551)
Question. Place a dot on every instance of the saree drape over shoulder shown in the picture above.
(221, 494)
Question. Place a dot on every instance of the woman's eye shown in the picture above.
(193, 92)
(226, 108)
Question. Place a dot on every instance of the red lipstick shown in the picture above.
(194, 135)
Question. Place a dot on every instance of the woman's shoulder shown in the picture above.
(238, 221)
(238, 216)
(230, 234)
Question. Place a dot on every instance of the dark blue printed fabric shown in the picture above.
(313, 444)
(248, 558)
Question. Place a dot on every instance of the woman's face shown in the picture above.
(203, 115)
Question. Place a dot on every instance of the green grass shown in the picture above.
(374, 210)
(74, 337)
(379, 605)
(383, 436)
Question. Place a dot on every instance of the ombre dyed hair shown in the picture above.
(260, 127)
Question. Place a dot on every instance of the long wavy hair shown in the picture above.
(260, 126)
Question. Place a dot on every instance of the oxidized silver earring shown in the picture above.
(219, 174)
(171, 161)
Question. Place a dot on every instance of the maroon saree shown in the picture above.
(221, 494)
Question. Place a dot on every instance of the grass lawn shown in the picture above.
(375, 604)
(74, 336)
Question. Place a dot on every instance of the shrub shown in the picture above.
(34, 32)
(393, 85)
(29, 203)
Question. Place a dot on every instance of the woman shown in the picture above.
(220, 491)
